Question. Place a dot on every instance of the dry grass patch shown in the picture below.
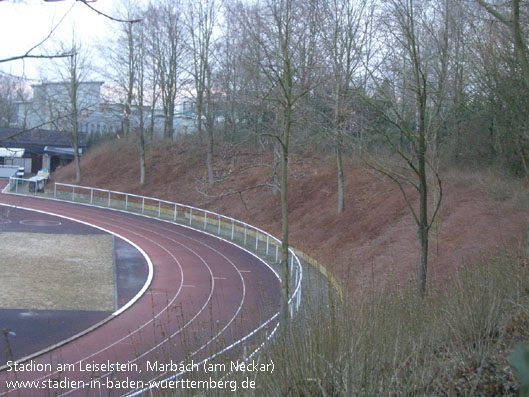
(56, 271)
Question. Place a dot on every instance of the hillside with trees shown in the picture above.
(389, 139)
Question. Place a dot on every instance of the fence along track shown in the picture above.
(247, 236)
(240, 233)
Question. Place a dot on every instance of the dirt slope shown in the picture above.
(374, 240)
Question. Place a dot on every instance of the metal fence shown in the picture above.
(251, 238)
(254, 239)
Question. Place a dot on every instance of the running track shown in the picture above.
(205, 294)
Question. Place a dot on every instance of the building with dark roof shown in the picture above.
(44, 149)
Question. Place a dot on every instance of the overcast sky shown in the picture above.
(25, 23)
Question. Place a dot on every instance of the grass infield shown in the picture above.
(56, 271)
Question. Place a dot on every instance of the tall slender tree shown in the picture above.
(414, 122)
(201, 20)
(283, 34)
(344, 37)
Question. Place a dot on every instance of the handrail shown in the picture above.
(259, 235)
(75, 192)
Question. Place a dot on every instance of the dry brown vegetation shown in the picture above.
(372, 241)
(455, 341)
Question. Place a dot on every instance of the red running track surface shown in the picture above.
(205, 294)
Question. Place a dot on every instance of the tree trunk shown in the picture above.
(521, 49)
(130, 86)
(209, 157)
(209, 127)
(285, 273)
(169, 119)
(423, 191)
(77, 163)
(75, 121)
(338, 147)
(142, 159)
(423, 259)
(277, 160)
(340, 177)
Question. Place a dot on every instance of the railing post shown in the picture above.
(298, 298)
(295, 265)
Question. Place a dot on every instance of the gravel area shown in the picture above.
(56, 271)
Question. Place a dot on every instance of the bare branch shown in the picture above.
(36, 127)
(390, 175)
(234, 192)
(28, 54)
(491, 10)
(131, 21)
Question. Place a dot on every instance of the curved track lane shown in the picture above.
(205, 294)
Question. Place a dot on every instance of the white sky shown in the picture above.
(25, 23)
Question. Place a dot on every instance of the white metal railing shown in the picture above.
(236, 231)
(23, 185)
(232, 229)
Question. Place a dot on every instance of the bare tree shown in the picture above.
(287, 72)
(141, 66)
(64, 114)
(201, 19)
(168, 49)
(152, 40)
(120, 59)
(414, 122)
(513, 21)
(12, 90)
(344, 37)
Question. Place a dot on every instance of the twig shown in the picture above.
(233, 192)
(108, 16)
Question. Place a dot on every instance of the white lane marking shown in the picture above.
(149, 279)
(175, 231)
(147, 258)
(209, 234)
(189, 321)
(240, 275)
